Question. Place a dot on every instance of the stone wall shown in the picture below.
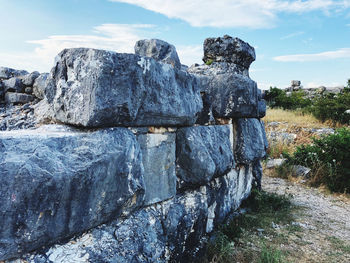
(142, 158)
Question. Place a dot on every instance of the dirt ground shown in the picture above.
(322, 224)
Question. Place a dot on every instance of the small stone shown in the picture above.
(13, 85)
(29, 79)
(299, 170)
(273, 163)
(18, 98)
(39, 85)
(28, 90)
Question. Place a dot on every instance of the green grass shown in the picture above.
(339, 244)
(263, 210)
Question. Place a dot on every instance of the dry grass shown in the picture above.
(296, 118)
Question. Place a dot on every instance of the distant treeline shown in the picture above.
(327, 106)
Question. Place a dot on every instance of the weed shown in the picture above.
(271, 255)
(209, 62)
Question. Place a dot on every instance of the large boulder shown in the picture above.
(58, 182)
(159, 50)
(228, 49)
(97, 88)
(250, 140)
(232, 93)
(203, 152)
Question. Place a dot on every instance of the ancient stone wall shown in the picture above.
(128, 157)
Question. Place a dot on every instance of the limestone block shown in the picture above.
(250, 140)
(56, 182)
(95, 88)
(17, 98)
(159, 50)
(13, 85)
(203, 152)
(40, 85)
(158, 158)
(228, 49)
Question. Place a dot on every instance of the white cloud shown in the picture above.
(235, 13)
(318, 84)
(190, 54)
(116, 37)
(328, 55)
(292, 35)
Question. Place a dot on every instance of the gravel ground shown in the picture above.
(324, 221)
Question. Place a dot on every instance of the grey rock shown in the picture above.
(29, 79)
(6, 73)
(257, 174)
(232, 93)
(13, 85)
(170, 231)
(158, 158)
(159, 50)
(295, 83)
(273, 163)
(250, 140)
(299, 170)
(281, 137)
(323, 131)
(347, 111)
(17, 98)
(203, 152)
(40, 85)
(228, 49)
(2, 91)
(95, 88)
(43, 112)
(53, 185)
(262, 108)
(28, 90)
(206, 117)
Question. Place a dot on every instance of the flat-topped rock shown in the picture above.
(159, 50)
(97, 88)
(57, 181)
(228, 49)
(6, 73)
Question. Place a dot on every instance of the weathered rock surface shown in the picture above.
(158, 158)
(57, 183)
(40, 85)
(232, 93)
(273, 163)
(169, 231)
(228, 49)
(6, 73)
(95, 88)
(250, 138)
(16, 98)
(203, 152)
(13, 85)
(159, 50)
(29, 79)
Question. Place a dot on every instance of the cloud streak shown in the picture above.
(323, 56)
(235, 13)
(292, 35)
(116, 37)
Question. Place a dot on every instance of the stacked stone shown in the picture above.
(19, 92)
(150, 191)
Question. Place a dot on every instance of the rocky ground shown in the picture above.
(322, 226)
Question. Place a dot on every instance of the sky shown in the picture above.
(307, 40)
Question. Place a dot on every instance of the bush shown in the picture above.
(277, 98)
(332, 107)
(329, 160)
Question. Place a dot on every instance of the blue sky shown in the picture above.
(305, 40)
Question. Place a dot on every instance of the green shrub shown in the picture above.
(277, 98)
(329, 160)
(332, 107)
